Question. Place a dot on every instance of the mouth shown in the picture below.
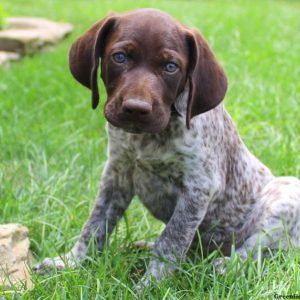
(132, 129)
(150, 125)
(136, 129)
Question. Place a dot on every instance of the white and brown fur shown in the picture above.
(198, 179)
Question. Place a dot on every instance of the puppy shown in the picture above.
(172, 143)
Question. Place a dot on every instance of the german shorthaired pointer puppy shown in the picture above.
(172, 143)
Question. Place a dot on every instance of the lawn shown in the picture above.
(53, 148)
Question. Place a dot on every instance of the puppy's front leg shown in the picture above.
(113, 199)
(177, 236)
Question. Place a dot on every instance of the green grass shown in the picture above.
(53, 147)
(3, 16)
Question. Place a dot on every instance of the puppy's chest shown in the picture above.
(160, 165)
(159, 171)
(159, 161)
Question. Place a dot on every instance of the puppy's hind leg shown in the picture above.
(274, 222)
(278, 223)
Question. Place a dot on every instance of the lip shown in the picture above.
(150, 125)
(130, 128)
(133, 130)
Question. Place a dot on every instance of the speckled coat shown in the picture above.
(203, 178)
(190, 168)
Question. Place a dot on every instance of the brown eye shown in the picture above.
(119, 57)
(170, 67)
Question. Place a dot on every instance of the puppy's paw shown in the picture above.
(220, 265)
(157, 271)
(141, 244)
(144, 283)
(57, 263)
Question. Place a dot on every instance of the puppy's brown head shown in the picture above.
(147, 59)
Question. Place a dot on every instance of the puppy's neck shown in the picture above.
(181, 102)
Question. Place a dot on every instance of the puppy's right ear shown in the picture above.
(85, 54)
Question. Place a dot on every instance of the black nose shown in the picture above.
(136, 107)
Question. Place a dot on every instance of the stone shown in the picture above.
(7, 57)
(14, 256)
(27, 35)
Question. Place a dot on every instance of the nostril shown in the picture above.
(127, 110)
(137, 107)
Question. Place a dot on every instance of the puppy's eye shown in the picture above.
(119, 57)
(170, 67)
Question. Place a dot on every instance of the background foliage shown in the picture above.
(3, 15)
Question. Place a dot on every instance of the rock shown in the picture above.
(7, 57)
(27, 35)
(14, 255)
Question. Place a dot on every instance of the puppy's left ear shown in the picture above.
(207, 80)
(85, 54)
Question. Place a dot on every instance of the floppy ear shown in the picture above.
(85, 54)
(207, 80)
